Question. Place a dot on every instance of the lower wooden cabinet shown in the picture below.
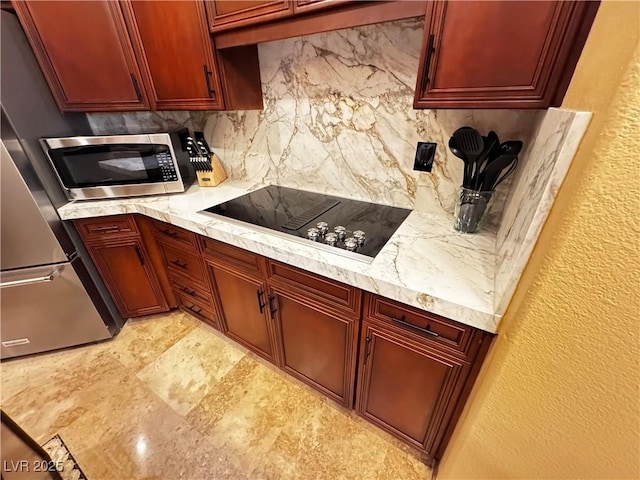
(408, 371)
(244, 309)
(317, 346)
(407, 388)
(129, 277)
(118, 251)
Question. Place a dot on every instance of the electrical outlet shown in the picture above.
(425, 153)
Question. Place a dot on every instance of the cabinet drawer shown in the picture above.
(102, 228)
(428, 326)
(329, 292)
(183, 264)
(221, 252)
(198, 310)
(167, 232)
(192, 292)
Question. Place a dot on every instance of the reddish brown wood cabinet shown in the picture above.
(137, 55)
(176, 52)
(121, 258)
(244, 310)
(181, 263)
(500, 54)
(317, 322)
(412, 379)
(240, 291)
(414, 369)
(225, 14)
(85, 53)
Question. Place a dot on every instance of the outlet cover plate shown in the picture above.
(425, 153)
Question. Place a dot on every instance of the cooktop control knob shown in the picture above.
(340, 231)
(331, 239)
(351, 244)
(313, 234)
(359, 236)
(322, 227)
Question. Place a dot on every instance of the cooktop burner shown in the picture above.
(360, 229)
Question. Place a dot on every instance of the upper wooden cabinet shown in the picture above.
(237, 23)
(85, 54)
(137, 55)
(176, 53)
(225, 14)
(500, 54)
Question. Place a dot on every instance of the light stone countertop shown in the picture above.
(426, 263)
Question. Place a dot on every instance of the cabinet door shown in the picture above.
(129, 277)
(177, 52)
(244, 309)
(226, 14)
(317, 347)
(85, 54)
(406, 388)
(499, 54)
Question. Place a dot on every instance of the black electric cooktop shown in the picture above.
(315, 217)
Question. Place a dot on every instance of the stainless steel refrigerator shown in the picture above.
(51, 295)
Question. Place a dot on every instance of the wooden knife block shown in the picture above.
(214, 176)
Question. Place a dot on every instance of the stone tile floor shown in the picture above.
(170, 397)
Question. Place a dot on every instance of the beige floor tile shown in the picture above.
(400, 463)
(327, 444)
(189, 369)
(171, 398)
(145, 339)
(247, 410)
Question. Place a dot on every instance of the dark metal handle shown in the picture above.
(106, 229)
(134, 80)
(188, 291)
(402, 321)
(272, 306)
(193, 309)
(367, 351)
(140, 256)
(170, 233)
(207, 77)
(427, 59)
(180, 264)
(260, 304)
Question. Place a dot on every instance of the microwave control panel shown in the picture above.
(167, 167)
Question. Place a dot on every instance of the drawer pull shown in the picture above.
(194, 309)
(402, 321)
(188, 291)
(261, 305)
(169, 233)
(110, 228)
(179, 263)
(272, 306)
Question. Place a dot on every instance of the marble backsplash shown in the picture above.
(339, 119)
(533, 190)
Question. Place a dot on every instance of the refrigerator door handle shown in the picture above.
(28, 281)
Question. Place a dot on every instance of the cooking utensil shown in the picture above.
(489, 176)
(506, 174)
(470, 143)
(454, 149)
(511, 146)
(490, 143)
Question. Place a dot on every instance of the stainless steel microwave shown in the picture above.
(113, 166)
